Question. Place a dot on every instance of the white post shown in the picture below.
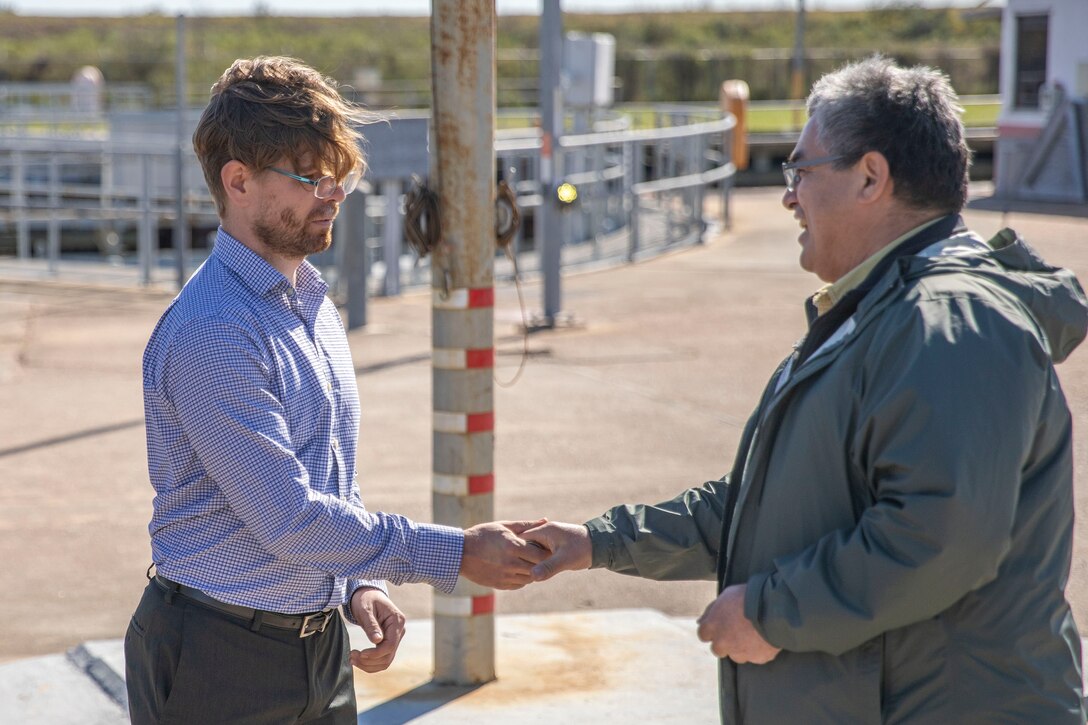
(463, 174)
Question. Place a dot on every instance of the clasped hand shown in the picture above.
(496, 555)
(511, 554)
(723, 624)
(730, 633)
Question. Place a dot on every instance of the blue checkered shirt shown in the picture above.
(252, 418)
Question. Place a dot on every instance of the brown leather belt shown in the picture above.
(304, 624)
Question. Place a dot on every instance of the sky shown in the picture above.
(423, 7)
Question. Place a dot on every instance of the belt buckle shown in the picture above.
(311, 624)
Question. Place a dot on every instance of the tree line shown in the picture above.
(660, 57)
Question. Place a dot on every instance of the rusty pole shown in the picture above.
(463, 172)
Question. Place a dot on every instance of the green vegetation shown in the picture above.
(780, 118)
(680, 56)
(981, 114)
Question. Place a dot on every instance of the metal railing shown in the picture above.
(640, 192)
(72, 201)
(67, 203)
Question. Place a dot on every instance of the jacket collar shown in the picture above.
(822, 327)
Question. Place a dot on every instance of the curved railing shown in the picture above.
(71, 205)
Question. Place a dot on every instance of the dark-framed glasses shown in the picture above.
(789, 169)
(325, 186)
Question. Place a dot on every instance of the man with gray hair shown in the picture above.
(893, 540)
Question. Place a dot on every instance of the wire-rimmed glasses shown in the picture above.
(325, 186)
(789, 169)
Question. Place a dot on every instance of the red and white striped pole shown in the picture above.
(463, 173)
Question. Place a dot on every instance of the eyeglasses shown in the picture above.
(789, 169)
(325, 186)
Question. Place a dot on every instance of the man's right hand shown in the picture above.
(495, 557)
(568, 544)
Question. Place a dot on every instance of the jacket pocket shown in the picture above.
(814, 687)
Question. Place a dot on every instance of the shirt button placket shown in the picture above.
(292, 300)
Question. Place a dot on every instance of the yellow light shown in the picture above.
(566, 192)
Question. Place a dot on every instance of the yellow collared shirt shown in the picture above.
(827, 296)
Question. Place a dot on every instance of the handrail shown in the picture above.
(649, 134)
(638, 190)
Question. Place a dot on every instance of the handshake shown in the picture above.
(511, 554)
(499, 554)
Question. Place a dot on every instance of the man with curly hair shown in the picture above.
(259, 534)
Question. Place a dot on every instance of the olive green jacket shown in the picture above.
(900, 506)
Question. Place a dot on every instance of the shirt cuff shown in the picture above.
(355, 585)
(437, 555)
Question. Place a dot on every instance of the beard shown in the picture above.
(285, 234)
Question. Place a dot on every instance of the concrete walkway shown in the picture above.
(642, 398)
(633, 665)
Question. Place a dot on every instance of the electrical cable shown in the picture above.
(507, 223)
(423, 232)
(422, 218)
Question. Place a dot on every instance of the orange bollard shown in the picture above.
(733, 98)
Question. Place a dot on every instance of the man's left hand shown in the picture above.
(730, 633)
(384, 627)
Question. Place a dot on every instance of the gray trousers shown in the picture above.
(187, 663)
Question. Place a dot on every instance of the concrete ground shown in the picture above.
(644, 396)
(624, 665)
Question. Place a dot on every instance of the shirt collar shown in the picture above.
(827, 296)
(260, 276)
(309, 280)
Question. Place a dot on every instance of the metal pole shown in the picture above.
(727, 183)
(105, 189)
(797, 76)
(352, 223)
(53, 225)
(551, 128)
(181, 221)
(463, 173)
(632, 158)
(145, 244)
(698, 153)
(392, 233)
(22, 227)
